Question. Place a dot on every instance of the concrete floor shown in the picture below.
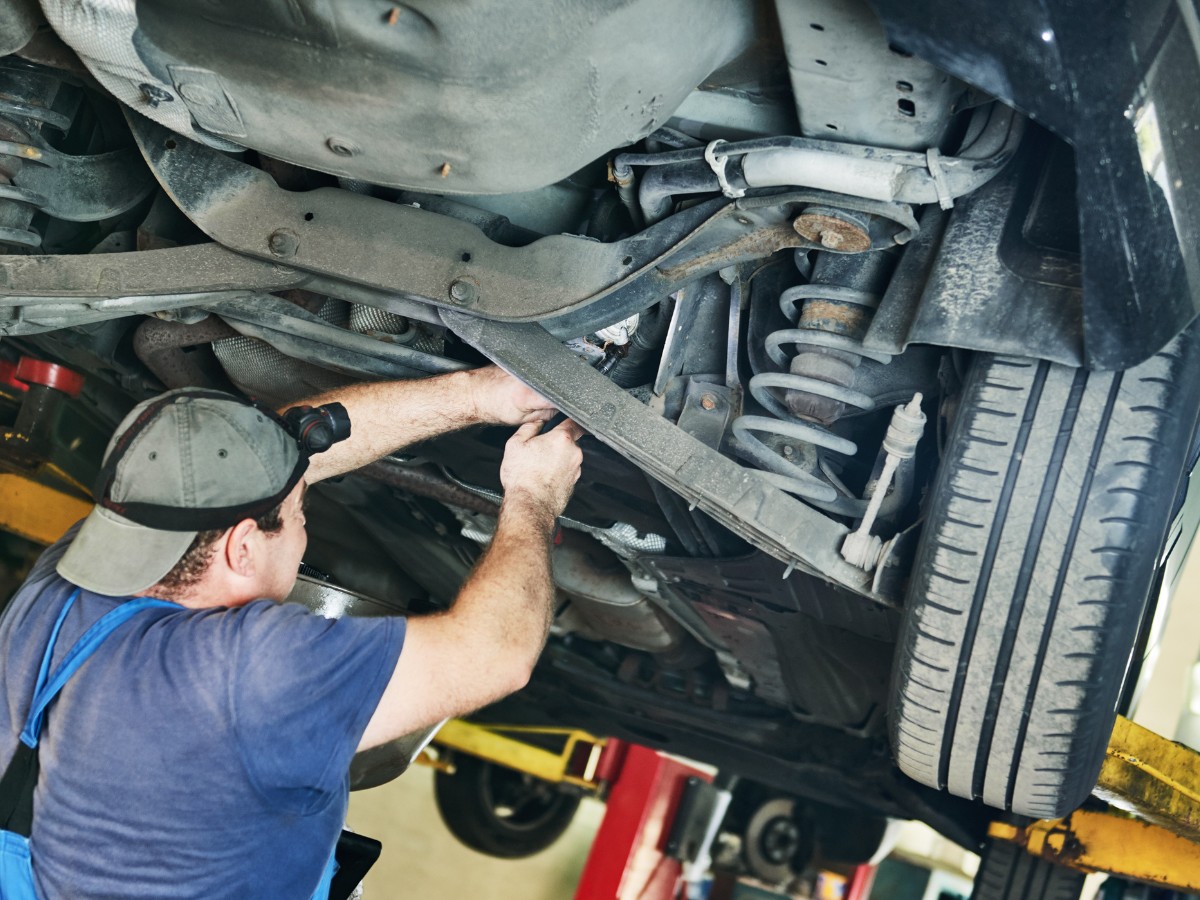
(423, 861)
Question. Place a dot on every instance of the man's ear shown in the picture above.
(241, 542)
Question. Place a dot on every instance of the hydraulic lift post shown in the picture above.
(629, 859)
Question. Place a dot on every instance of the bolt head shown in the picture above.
(708, 401)
(462, 291)
(832, 240)
(835, 232)
(283, 243)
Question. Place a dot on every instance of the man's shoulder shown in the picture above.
(268, 624)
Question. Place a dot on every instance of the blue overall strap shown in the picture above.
(322, 891)
(49, 686)
(48, 655)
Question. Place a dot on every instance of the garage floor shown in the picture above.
(421, 859)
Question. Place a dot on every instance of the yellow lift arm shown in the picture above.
(510, 746)
(1151, 832)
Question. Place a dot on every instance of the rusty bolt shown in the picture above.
(283, 242)
(833, 232)
(708, 401)
(462, 291)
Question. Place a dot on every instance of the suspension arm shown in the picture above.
(571, 284)
(196, 269)
(736, 497)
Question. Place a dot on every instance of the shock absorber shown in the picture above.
(27, 99)
(830, 315)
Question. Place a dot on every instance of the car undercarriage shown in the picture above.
(876, 317)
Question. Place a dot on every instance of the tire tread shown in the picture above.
(1042, 543)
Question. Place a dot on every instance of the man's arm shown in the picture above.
(386, 416)
(485, 646)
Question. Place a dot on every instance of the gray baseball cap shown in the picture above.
(187, 461)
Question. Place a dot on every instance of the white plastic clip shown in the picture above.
(933, 159)
(717, 163)
(861, 548)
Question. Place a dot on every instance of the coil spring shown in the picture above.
(780, 471)
(25, 92)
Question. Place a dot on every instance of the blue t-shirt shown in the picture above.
(199, 753)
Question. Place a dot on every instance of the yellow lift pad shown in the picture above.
(1151, 832)
(37, 512)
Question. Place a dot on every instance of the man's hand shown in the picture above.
(542, 468)
(500, 399)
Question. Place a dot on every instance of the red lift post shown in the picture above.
(629, 859)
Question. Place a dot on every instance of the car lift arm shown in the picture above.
(1150, 833)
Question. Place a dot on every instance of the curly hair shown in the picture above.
(192, 565)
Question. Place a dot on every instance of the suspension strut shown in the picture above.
(28, 95)
(830, 314)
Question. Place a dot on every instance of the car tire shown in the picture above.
(500, 811)
(1007, 872)
(1042, 541)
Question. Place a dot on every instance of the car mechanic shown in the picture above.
(204, 750)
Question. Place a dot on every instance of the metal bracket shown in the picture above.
(735, 496)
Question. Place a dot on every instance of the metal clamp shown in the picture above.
(718, 163)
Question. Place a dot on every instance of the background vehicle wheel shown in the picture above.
(1043, 538)
(500, 811)
(777, 844)
(1007, 872)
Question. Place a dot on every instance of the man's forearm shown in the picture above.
(386, 416)
(509, 596)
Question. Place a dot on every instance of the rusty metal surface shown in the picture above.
(832, 232)
(160, 346)
(835, 316)
(365, 240)
(756, 245)
(1154, 778)
(425, 481)
(1108, 842)
(1151, 833)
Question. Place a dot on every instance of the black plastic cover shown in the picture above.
(1117, 79)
